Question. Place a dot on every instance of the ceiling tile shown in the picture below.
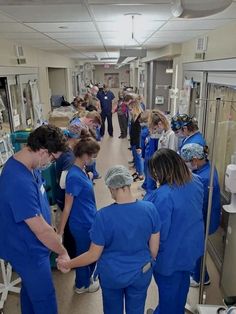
(47, 13)
(32, 35)
(73, 35)
(128, 2)
(115, 12)
(55, 27)
(80, 41)
(13, 27)
(193, 24)
(4, 18)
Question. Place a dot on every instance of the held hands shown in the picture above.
(62, 263)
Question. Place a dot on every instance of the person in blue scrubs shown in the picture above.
(106, 98)
(26, 237)
(196, 159)
(178, 201)
(64, 163)
(186, 129)
(125, 241)
(80, 209)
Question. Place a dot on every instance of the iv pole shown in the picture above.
(189, 308)
(203, 266)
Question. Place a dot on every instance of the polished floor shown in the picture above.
(113, 151)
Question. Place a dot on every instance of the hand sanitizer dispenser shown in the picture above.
(230, 186)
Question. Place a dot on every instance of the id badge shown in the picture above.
(105, 97)
(42, 189)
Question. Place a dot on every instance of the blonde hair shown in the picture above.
(136, 109)
(144, 116)
(157, 116)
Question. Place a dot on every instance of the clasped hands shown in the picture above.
(62, 263)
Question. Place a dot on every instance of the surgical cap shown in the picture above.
(118, 177)
(190, 151)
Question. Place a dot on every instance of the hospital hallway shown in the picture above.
(113, 151)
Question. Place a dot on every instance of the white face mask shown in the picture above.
(44, 167)
(142, 124)
(180, 134)
(190, 166)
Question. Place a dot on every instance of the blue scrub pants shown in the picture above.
(134, 296)
(149, 184)
(82, 243)
(173, 291)
(138, 161)
(197, 272)
(37, 289)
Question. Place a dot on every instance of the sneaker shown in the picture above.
(131, 162)
(94, 286)
(195, 284)
(150, 311)
(138, 179)
(98, 177)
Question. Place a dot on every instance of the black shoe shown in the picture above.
(150, 311)
(110, 135)
(129, 148)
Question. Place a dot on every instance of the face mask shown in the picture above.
(44, 167)
(90, 162)
(180, 135)
(142, 124)
(190, 166)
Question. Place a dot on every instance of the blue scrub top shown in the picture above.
(182, 227)
(106, 100)
(22, 197)
(124, 230)
(204, 175)
(196, 138)
(83, 209)
(151, 147)
(64, 162)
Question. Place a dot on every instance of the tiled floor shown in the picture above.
(113, 151)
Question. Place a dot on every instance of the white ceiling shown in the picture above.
(98, 28)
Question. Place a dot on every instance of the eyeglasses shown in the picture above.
(53, 157)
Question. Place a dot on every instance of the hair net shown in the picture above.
(190, 151)
(70, 134)
(117, 177)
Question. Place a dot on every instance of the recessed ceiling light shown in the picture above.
(63, 27)
(132, 14)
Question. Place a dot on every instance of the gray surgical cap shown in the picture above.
(190, 151)
(118, 177)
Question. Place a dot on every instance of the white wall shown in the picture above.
(57, 81)
(124, 75)
(41, 60)
(221, 45)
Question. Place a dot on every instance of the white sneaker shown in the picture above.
(195, 284)
(92, 288)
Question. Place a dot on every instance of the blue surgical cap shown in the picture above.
(192, 150)
(70, 134)
(118, 177)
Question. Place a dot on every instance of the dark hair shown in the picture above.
(47, 137)
(166, 166)
(86, 145)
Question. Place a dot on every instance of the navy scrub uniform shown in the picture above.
(81, 218)
(124, 231)
(23, 197)
(182, 241)
(106, 99)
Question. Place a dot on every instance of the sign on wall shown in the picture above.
(111, 80)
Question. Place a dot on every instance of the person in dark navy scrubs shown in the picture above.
(26, 237)
(125, 241)
(106, 98)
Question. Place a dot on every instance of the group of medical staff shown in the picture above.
(130, 240)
